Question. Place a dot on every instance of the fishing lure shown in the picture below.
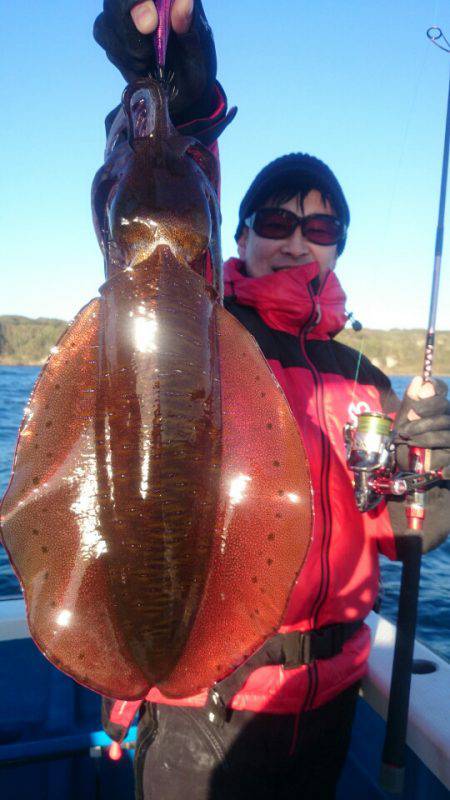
(159, 509)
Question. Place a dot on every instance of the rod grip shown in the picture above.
(394, 751)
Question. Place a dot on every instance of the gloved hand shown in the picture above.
(423, 420)
(191, 56)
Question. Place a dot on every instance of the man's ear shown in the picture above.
(242, 243)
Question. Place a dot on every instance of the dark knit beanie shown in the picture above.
(299, 173)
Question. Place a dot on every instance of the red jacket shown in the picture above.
(325, 384)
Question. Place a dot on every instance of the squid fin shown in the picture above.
(49, 524)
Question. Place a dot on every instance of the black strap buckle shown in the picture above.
(305, 648)
(297, 649)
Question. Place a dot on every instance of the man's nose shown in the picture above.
(296, 245)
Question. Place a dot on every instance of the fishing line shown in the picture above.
(358, 365)
(396, 181)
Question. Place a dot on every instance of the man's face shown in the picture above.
(265, 256)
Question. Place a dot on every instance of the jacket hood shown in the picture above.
(291, 300)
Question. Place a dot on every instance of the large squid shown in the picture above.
(159, 510)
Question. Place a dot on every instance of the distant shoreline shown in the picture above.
(26, 342)
(396, 371)
(7, 363)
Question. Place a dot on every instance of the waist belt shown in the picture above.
(290, 650)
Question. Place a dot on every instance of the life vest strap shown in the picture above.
(290, 650)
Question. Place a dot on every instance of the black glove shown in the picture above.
(190, 56)
(431, 431)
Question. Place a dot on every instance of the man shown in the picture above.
(279, 726)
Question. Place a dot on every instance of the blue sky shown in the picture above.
(354, 82)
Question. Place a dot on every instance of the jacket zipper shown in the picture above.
(324, 498)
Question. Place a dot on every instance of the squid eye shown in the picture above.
(142, 114)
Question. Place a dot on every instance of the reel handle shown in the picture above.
(419, 460)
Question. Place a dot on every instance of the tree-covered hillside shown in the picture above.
(399, 352)
(28, 341)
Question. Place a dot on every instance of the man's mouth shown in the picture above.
(281, 267)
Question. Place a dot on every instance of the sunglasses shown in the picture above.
(278, 223)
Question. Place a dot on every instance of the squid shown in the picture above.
(159, 509)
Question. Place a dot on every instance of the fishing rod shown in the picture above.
(435, 35)
(394, 750)
(370, 444)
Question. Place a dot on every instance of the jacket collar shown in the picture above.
(292, 300)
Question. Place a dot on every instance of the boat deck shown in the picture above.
(51, 737)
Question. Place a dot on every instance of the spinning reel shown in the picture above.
(370, 448)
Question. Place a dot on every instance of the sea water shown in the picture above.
(434, 605)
